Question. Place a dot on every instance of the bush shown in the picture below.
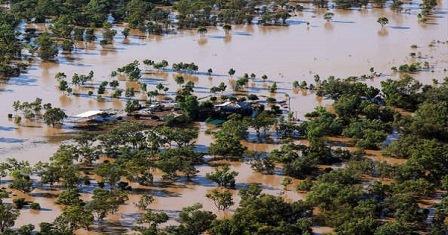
(26, 229)
(124, 185)
(86, 180)
(271, 100)
(35, 206)
(19, 203)
(305, 185)
(252, 97)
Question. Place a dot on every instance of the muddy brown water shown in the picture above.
(349, 45)
(169, 198)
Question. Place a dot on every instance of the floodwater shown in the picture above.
(349, 45)
(170, 198)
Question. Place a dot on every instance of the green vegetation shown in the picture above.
(10, 46)
(222, 198)
(328, 16)
(33, 111)
(262, 213)
(47, 47)
(223, 177)
(347, 189)
(78, 21)
(383, 21)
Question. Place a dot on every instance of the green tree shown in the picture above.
(152, 219)
(74, 217)
(190, 106)
(193, 220)
(47, 47)
(227, 145)
(328, 16)
(54, 116)
(26, 229)
(137, 12)
(110, 172)
(231, 72)
(125, 32)
(227, 28)
(108, 33)
(62, 27)
(10, 45)
(8, 216)
(223, 176)
(132, 106)
(179, 79)
(263, 121)
(403, 93)
(69, 197)
(266, 214)
(202, 30)
(96, 11)
(251, 192)
(105, 202)
(21, 180)
(145, 201)
(430, 120)
(382, 21)
(221, 198)
(273, 87)
(393, 228)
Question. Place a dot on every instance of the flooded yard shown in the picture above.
(350, 45)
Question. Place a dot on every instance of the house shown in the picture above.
(243, 107)
(98, 116)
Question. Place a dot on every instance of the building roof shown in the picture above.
(89, 114)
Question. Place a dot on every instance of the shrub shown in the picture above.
(35, 206)
(19, 203)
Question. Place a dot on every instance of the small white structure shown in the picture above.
(224, 104)
(94, 116)
(235, 107)
(90, 114)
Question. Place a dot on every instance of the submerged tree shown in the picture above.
(221, 198)
(105, 202)
(8, 216)
(223, 176)
(74, 217)
(47, 47)
(328, 16)
(231, 71)
(152, 220)
(383, 21)
(227, 28)
(54, 116)
(202, 30)
(194, 220)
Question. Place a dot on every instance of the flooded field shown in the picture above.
(348, 46)
(169, 198)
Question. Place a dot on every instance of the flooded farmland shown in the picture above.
(349, 45)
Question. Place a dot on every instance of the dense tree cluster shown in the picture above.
(265, 214)
(71, 21)
(362, 197)
(10, 46)
(367, 115)
(32, 111)
(205, 13)
(357, 196)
